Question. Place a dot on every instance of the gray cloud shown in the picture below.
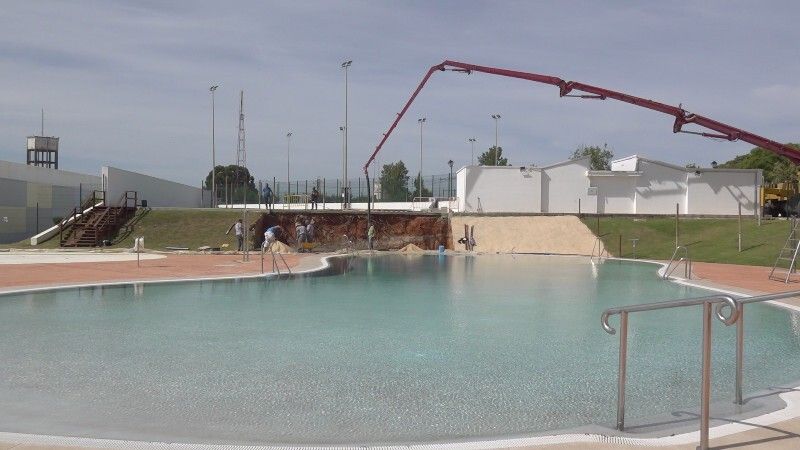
(126, 83)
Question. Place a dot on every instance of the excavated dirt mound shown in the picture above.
(526, 234)
(280, 247)
(411, 248)
(333, 230)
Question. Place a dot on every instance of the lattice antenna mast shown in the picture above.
(241, 151)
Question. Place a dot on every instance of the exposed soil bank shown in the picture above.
(392, 230)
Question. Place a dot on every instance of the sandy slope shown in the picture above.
(526, 234)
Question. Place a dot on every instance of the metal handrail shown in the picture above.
(740, 302)
(275, 267)
(349, 245)
(598, 245)
(687, 263)
(721, 302)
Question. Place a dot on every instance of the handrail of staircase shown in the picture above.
(64, 222)
(721, 301)
(275, 266)
(598, 245)
(740, 302)
(687, 263)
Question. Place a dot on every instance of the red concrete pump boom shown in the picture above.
(682, 117)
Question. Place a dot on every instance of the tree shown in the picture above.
(235, 192)
(599, 157)
(425, 191)
(394, 182)
(777, 169)
(487, 158)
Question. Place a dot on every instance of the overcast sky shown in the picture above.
(125, 83)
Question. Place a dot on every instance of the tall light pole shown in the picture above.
(496, 117)
(450, 180)
(472, 141)
(212, 89)
(342, 193)
(288, 147)
(419, 177)
(345, 66)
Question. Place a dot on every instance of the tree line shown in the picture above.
(395, 177)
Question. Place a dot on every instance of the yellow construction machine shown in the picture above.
(780, 199)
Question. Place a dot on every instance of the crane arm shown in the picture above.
(682, 117)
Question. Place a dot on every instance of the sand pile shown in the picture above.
(280, 247)
(526, 234)
(411, 248)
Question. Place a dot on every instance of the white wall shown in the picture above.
(633, 186)
(721, 191)
(564, 184)
(500, 188)
(44, 175)
(156, 191)
(660, 188)
(615, 194)
(32, 197)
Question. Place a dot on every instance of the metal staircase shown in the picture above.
(100, 223)
(787, 254)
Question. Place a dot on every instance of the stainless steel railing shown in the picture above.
(705, 391)
(736, 315)
(275, 266)
(687, 263)
(740, 302)
(598, 247)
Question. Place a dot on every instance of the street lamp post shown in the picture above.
(419, 177)
(288, 182)
(344, 171)
(496, 117)
(450, 180)
(472, 141)
(345, 66)
(213, 151)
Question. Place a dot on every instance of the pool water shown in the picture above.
(397, 349)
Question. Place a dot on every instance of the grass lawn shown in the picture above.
(163, 228)
(190, 228)
(710, 240)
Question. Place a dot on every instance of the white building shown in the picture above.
(32, 199)
(634, 185)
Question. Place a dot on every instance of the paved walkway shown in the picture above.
(15, 276)
(783, 435)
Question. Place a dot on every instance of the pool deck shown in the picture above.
(742, 279)
(47, 273)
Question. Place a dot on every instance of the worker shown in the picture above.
(314, 198)
(268, 196)
(370, 235)
(271, 235)
(310, 230)
(300, 231)
(238, 228)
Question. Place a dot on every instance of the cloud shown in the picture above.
(126, 82)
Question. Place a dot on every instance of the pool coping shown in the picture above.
(790, 411)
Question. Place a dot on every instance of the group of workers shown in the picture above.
(305, 232)
(269, 197)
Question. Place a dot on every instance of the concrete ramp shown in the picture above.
(526, 234)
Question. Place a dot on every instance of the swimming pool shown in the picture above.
(396, 349)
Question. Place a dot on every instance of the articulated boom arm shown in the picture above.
(682, 117)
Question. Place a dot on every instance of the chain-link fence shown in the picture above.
(331, 190)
